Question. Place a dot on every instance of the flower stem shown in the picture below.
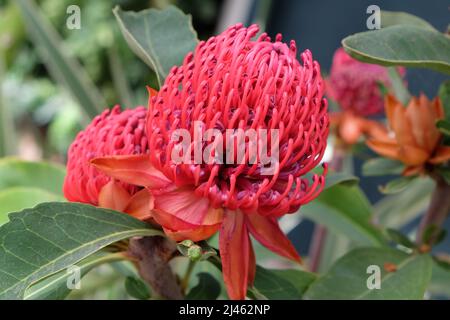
(153, 255)
(187, 275)
(438, 209)
(316, 248)
(320, 231)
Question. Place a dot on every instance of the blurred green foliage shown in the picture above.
(101, 49)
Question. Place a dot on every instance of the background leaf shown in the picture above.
(7, 133)
(208, 288)
(400, 238)
(381, 166)
(347, 279)
(161, 38)
(41, 241)
(391, 18)
(300, 279)
(440, 281)
(18, 198)
(280, 284)
(396, 210)
(345, 209)
(63, 68)
(335, 178)
(403, 45)
(444, 126)
(137, 288)
(396, 185)
(444, 94)
(41, 175)
(398, 86)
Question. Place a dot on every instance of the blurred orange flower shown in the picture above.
(414, 138)
(350, 127)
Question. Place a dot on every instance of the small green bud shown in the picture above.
(194, 252)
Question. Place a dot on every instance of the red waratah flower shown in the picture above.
(354, 85)
(233, 82)
(111, 133)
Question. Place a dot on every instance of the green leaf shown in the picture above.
(433, 235)
(445, 173)
(383, 89)
(345, 209)
(271, 285)
(391, 18)
(349, 276)
(55, 286)
(403, 45)
(400, 238)
(137, 288)
(64, 127)
(381, 166)
(61, 65)
(440, 280)
(396, 185)
(336, 178)
(444, 94)
(394, 211)
(18, 198)
(300, 279)
(40, 175)
(7, 130)
(443, 126)
(398, 86)
(41, 241)
(208, 288)
(443, 262)
(161, 38)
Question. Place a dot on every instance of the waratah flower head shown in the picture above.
(233, 81)
(111, 133)
(354, 85)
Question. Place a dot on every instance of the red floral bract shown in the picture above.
(111, 133)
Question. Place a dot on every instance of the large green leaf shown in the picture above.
(208, 288)
(396, 210)
(392, 18)
(18, 198)
(277, 284)
(381, 166)
(55, 286)
(41, 241)
(336, 178)
(348, 278)
(137, 288)
(345, 209)
(397, 185)
(403, 45)
(161, 38)
(41, 175)
(301, 280)
(440, 281)
(61, 65)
